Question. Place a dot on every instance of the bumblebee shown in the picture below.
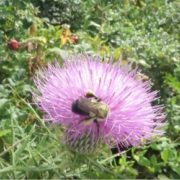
(92, 107)
(142, 76)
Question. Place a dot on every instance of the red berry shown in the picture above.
(14, 45)
(75, 39)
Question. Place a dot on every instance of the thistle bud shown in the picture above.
(14, 45)
(75, 39)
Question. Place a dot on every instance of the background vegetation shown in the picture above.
(145, 32)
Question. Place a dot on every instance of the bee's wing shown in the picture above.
(88, 106)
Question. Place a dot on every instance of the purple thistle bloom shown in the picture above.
(131, 116)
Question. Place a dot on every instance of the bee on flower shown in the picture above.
(98, 102)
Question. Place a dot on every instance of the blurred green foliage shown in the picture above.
(144, 32)
(59, 12)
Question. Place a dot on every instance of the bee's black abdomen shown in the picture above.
(76, 109)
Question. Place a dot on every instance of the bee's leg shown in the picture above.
(98, 126)
(87, 121)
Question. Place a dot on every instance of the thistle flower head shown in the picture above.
(99, 100)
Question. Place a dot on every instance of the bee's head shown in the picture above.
(103, 110)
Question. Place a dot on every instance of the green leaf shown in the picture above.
(4, 132)
(93, 23)
(62, 53)
(173, 81)
(165, 155)
(176, 169)
(122, 160)
(162, 176)
(3, 102)
(144, 63)
(36, 39)
(153, 159)
(143, 161)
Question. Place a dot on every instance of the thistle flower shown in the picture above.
(128, 115)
